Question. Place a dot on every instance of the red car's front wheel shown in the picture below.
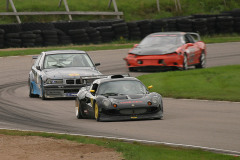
(202, 61)
(185, 63)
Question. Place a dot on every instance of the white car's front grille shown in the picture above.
(73, 81)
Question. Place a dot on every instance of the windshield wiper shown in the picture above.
(59, 66)
(122, 94)
(110, 94)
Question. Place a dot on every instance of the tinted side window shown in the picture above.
(186, 39)
(190, 38)
(95, 86)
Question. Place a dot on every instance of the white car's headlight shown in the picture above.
(54, 81)
(106, 102)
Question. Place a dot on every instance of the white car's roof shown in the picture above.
(64, 52)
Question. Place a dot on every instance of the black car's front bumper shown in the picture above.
(121, 117)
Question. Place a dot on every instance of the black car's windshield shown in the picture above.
(121, 87)
(161, 40)
(67, 60)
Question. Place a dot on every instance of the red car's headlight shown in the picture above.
(132, 55)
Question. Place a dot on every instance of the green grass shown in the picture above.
(134, 151)
(120, 44)
(34, 51)
(216, 83)
(221, 38)
(131, 12)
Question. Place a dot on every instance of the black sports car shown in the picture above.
(118, 98)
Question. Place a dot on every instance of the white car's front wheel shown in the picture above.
(42, 95)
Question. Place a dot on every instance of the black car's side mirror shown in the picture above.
(150, 87)
(38, 68)
(97, 64)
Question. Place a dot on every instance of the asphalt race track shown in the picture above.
(202, 123)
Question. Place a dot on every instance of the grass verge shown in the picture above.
(216, 83)
(134, 151)
(37, 51)
(120, 44)
(221, 38)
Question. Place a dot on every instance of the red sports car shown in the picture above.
(167, 50)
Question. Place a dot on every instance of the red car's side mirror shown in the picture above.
(190, 44)
(135, 45)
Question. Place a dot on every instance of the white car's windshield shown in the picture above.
(67, 60)
(161, 40)
(122, 87)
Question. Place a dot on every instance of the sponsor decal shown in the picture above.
(134, 117)
(74, 74)
(54, 81)
(131, 102)
(71, 94)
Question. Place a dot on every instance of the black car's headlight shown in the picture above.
(155, 99)
(54, 81)
(106, 102)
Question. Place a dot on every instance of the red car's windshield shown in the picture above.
(161, 40)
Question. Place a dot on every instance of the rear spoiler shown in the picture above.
(88, 80)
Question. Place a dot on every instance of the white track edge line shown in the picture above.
(229, 152)
(203, 100)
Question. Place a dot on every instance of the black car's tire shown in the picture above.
(202, 63)
(159, 118)
(96, 112)
(185, 64)
(161, 108)
(78, 109)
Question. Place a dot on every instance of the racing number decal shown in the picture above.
(74, 74)
(191, 54)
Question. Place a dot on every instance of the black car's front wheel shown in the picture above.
(96, 112)
(78, 109)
